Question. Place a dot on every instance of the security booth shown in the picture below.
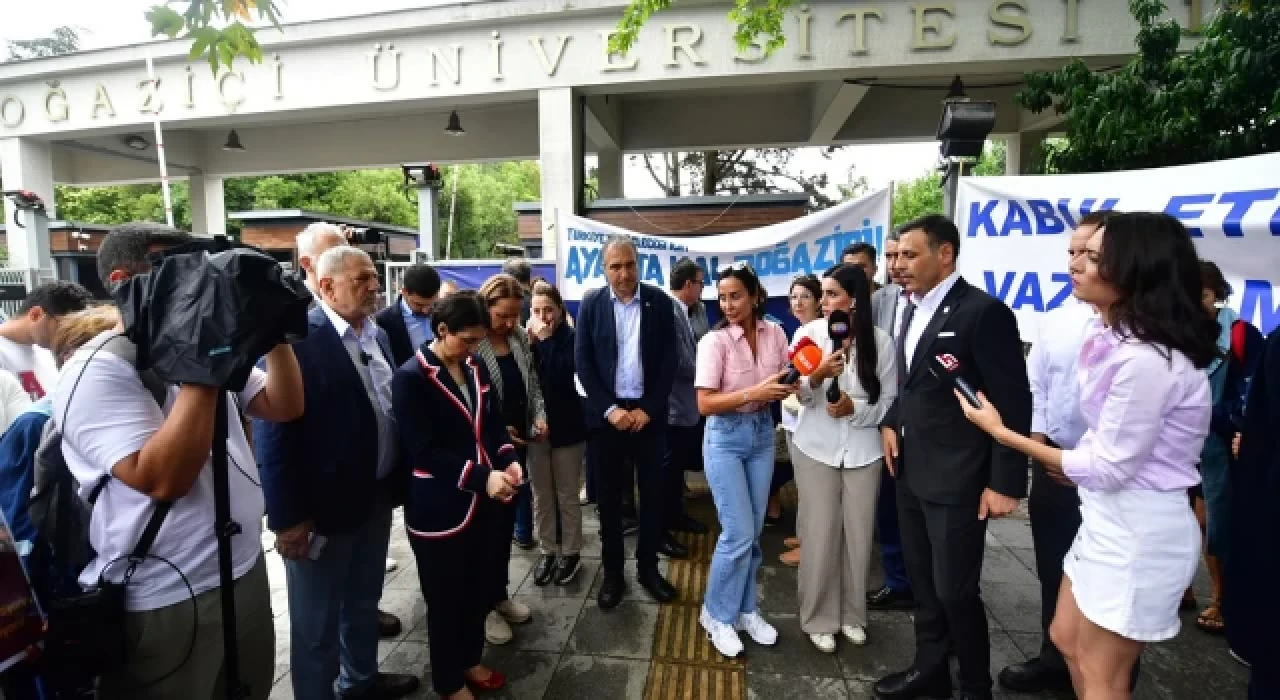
(73, 246)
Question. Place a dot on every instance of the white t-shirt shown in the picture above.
(111, 416)
(32, 365)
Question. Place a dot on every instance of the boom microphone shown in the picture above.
(949, 366)
(838, 329)
(804, 359)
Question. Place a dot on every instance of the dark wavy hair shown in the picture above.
(458, 311)
(853, 280)
(1151, 261)
(743, 272)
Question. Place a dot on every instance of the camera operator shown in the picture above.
(113, 426)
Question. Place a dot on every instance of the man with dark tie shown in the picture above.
(407, 322)
(951, 476)
(624, 361)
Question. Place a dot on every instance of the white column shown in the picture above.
(27, 164)
(208, 206)
(609, 173)
(1013, 154)
(560, 155)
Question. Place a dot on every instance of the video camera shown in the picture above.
(209, 309)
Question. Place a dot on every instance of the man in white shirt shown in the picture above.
(26, 337)
(1054, 506)
(115, 433)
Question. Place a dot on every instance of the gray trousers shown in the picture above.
(556, 473)
(158, 641)
(839, 507)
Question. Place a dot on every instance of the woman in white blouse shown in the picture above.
(838, 460)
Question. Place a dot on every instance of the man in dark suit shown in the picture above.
(951, 476)
(407, 322)
(331, 479)
(624, 361)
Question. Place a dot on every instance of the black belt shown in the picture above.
(628, 404)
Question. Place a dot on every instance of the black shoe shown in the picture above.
(1034, 677)
(388, 625)
(889, 599)
(910, 684)
(658, 587)
(630, 526)
(545, 570)
(566, 569)
(971, 695)
(686, 524)
(523, 542)
(387, 686)
(611, 590)
(672, 549)
(772, 520)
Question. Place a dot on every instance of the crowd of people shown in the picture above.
(1144, 407)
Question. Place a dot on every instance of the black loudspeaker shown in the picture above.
(964, 127)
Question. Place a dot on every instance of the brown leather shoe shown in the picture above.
(388, 625)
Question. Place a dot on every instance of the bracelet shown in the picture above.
(746, 396)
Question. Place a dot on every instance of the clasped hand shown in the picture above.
(502, 484)
(632, 421)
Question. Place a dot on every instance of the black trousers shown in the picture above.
(1055, 519)
(683, 453)
(456, 584)
(943, 546)
(612, 449)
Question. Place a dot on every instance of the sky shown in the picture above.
(105, 23)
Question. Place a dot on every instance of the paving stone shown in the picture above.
(792, 655)
(595, 678)
(889, 648)
(999, 565)
(549, 629)
(1015, 607)
(622, 632)
(578, 588)
(677, 681)
(767, 686)
(777, 590)
(634, 591)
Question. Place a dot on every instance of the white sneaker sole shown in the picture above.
(761, 642)
(730, 654)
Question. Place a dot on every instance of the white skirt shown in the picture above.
(1132, 561)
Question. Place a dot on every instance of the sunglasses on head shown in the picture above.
(736, 267)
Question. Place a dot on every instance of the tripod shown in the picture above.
(225, 528)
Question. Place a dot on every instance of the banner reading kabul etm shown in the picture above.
(778, 253)
(1014, 229)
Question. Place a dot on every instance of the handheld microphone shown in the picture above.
(950, 369)
(804, 359)
(838, 329)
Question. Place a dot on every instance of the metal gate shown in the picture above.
(15, 284)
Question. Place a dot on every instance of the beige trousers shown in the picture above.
(555, 474)
(839, 508)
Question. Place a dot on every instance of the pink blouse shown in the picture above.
(725, 362)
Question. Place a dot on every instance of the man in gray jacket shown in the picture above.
(684, 432)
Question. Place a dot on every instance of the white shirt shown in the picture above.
(899, 310)
(376, 376)
(32, 365)
(1051, 367)
(111, 416)
(13, 399)
(628, 380)
(854, 440)
(926, 307)
(791, 406)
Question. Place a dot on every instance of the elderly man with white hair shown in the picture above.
(331, 479)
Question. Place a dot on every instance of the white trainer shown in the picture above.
(392, 564)
(826, 643)
(854, 634)
(722, 636)
(496, 629)
(515, 612)
(756, 627)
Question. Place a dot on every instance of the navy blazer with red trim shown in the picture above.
(450, 448)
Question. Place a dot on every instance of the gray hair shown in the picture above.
(518, 268)
(306, 239)
(618, 239)
(335, 260)
(126, 247)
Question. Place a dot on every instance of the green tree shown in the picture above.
(485, 215)
(752, 19)
(923, 195)
(1219, 100)
(202, 22)
(744, 171)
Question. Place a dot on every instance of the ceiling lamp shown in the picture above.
(455, 125)
(233, 142)
(137, 142)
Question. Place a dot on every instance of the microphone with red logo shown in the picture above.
(804, 359)
(946, 366)
(838, 329)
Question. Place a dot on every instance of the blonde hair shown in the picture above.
(76, 329)
(499, 287)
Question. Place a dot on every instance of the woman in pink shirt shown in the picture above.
(740, 363)
(1146, 403)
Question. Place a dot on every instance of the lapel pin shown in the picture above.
(946, 309)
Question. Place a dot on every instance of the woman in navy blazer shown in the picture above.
(464, 466)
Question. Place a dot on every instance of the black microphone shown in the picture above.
(950, 369)
(838, 329)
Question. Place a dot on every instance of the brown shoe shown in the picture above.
(790, 558)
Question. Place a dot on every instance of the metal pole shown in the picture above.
(951, 187)
(155, 120)
(453, 207)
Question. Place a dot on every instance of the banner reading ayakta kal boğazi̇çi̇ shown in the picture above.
(1014, 230)
(778, 252)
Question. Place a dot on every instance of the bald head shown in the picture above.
(312, 242)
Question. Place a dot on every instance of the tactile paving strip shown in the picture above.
(670, 681)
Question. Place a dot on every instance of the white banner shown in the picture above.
(779, 252)
(1013, 230)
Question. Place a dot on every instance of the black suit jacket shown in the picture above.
(391, 321)
(943, 458)
(596, 353)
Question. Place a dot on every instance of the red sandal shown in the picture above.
(496, 681)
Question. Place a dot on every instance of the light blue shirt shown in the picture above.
(375, 373)
(628, 380)
(419, 326)
(1052, 371)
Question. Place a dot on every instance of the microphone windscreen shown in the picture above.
(838, 326)
(805, 342)
(807, 358)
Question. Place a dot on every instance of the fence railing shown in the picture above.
(16, 282)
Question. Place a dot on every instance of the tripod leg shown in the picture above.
(225, 528)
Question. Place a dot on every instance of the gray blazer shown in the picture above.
(698, 317)
(884, 306)
(518, 341)
(682, 407)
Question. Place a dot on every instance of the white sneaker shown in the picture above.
(514, 612)
(760, 631)
(854, 634)
(496, 629)
(392, 564)
(826, 643)
(722, 636)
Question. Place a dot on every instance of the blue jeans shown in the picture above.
(738, 459)
(333, 610)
